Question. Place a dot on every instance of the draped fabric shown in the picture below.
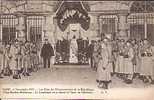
(72, 12)
(73, 51)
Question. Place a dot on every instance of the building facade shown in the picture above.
(35, 20)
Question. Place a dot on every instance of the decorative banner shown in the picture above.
(72, 12)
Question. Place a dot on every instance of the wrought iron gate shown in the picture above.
(141, 20)
(108, 25)
(8, 30)
(35, 28)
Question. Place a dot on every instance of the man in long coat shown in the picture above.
(128, 62)
(90, 53)
(46, 53)
(104, 66)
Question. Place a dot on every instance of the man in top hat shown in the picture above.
(47, 52)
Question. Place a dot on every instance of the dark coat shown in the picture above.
(90, 50)
(65, 46)
(47, 51)
(80, 45)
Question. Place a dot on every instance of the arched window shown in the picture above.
(7, 24)
(141, 20)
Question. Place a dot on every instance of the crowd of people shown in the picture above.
(19, 58)
(126, 59)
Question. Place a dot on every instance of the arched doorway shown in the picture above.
(141, 20)
(72, 18)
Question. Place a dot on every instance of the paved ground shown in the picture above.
(69, 75)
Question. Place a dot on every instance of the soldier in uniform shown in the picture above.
(120, 58)
(58, 52)
(80, 50)
(128, 67)
(85, 49)
(138, 61)
(14, 52)
(115, 54)
(104, 66)
(6, 60)
(65, 50)
(90, 53)
(136, 58)
(1, 59)
(26, 58)
(111, 57)
(147, 64)
(95, 54)
(34, 57)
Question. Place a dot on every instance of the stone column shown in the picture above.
(95, 23)
(21, 33)
(145, 27)
(0, 32)
(44, 26)
(122, 26)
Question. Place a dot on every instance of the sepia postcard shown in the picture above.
(76, 49)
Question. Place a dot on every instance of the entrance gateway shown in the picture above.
(72, 18)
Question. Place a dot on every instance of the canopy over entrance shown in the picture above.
(72, 12)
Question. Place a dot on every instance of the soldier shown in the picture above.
(128, 67)
(147, 64)
(80, 50)
(104, 66)
(152, 74)
(6, 69)
(135, 46)
(26, 58)
(120, 59)
(58, 51)
(90, 52)
(65, 50)
(110, 51)
(115, 54)
(138, 61)
(1, 59)
(85, 49)
(95, 54)
(34, 57)
(14, 51)
(19, 56)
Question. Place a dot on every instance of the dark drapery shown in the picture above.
(80, 15)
